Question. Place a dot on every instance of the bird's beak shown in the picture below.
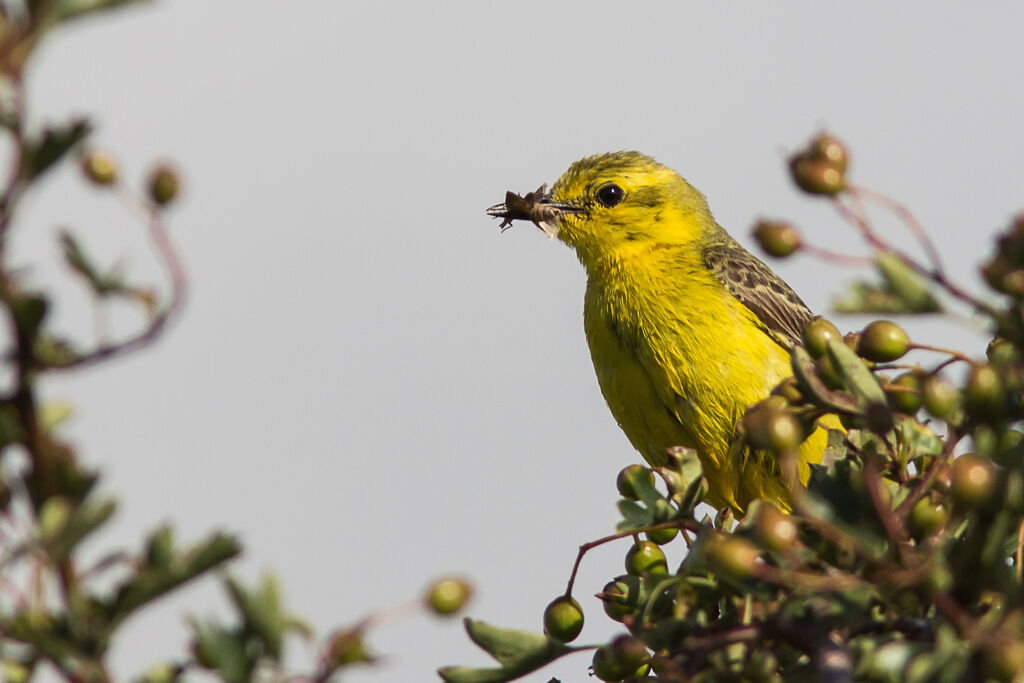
(535, 207)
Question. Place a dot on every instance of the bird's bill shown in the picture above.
(535, 207)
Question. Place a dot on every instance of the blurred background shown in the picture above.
(371, 385)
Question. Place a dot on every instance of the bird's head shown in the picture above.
(623, 202)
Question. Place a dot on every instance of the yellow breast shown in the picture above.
(679, 362)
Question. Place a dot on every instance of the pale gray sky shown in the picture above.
(371, 385)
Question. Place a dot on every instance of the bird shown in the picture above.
(686, 328)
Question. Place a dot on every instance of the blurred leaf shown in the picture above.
(902, 291)
(86, 518)
(222, 651)
(262, 612)
(74, 9)
(518, 652)
(54, 143)
(151, 582)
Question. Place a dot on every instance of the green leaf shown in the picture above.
(854, 373)
(812, 386)
(103, 284)
(634, 515)
(54, 143)
(83, 520)
(221, 650)
(153, 582)
(902, 290)
(262, 611)
(518, 652)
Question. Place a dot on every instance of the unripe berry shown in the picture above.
(163, 185)
(938, 396)
(646, 557)
(974, 480)
(448, 596)
(816, 335)
(732, 555)
(825, 148)
(927, 517)
(776, 238)
(984, 393)
(816, 177)
(772, 429)
(662, 536)
(774, 529)
(883, 341)
(606, 667)
(563, 619)
(619, 597)
(100, 167)
(631, 478)
(904, 393)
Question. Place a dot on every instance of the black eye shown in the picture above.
(610, 194)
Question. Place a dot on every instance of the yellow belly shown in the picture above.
(681, 370)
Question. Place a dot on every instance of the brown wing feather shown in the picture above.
(775, 304)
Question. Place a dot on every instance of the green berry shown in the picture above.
(973, 480)
(605, 666)
(771, 429)
(827, 149)
(938, 396)
(774, 529)
(776, 238)
(816, 335)
(619, 597)
(163, 185)
(563, 619)
(984, 393)
(732, 555)
(927, 517)
(448, 596)
(100, 167)
(904, 393)
(631, 479)
(662, 536)
(646, 558)
(883, 341)
(816, 177)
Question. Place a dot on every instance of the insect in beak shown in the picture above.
(535, 207)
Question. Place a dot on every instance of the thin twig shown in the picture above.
(179, 288)
(908, 218)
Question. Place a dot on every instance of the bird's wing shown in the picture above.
(777, 307)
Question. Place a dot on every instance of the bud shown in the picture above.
(772, 429)
(775, 530)
(816, 177)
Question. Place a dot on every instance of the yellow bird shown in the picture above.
(686, 328)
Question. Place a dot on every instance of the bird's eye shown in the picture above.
(610, 194)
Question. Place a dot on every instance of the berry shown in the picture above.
(100, 167)
(883, 341)
(816, 335)
(776, 238)
(631, 478)
(163, 185)
(646, 557)
(905, 393)
(973, 480)
(448, 596)
(563, 619)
